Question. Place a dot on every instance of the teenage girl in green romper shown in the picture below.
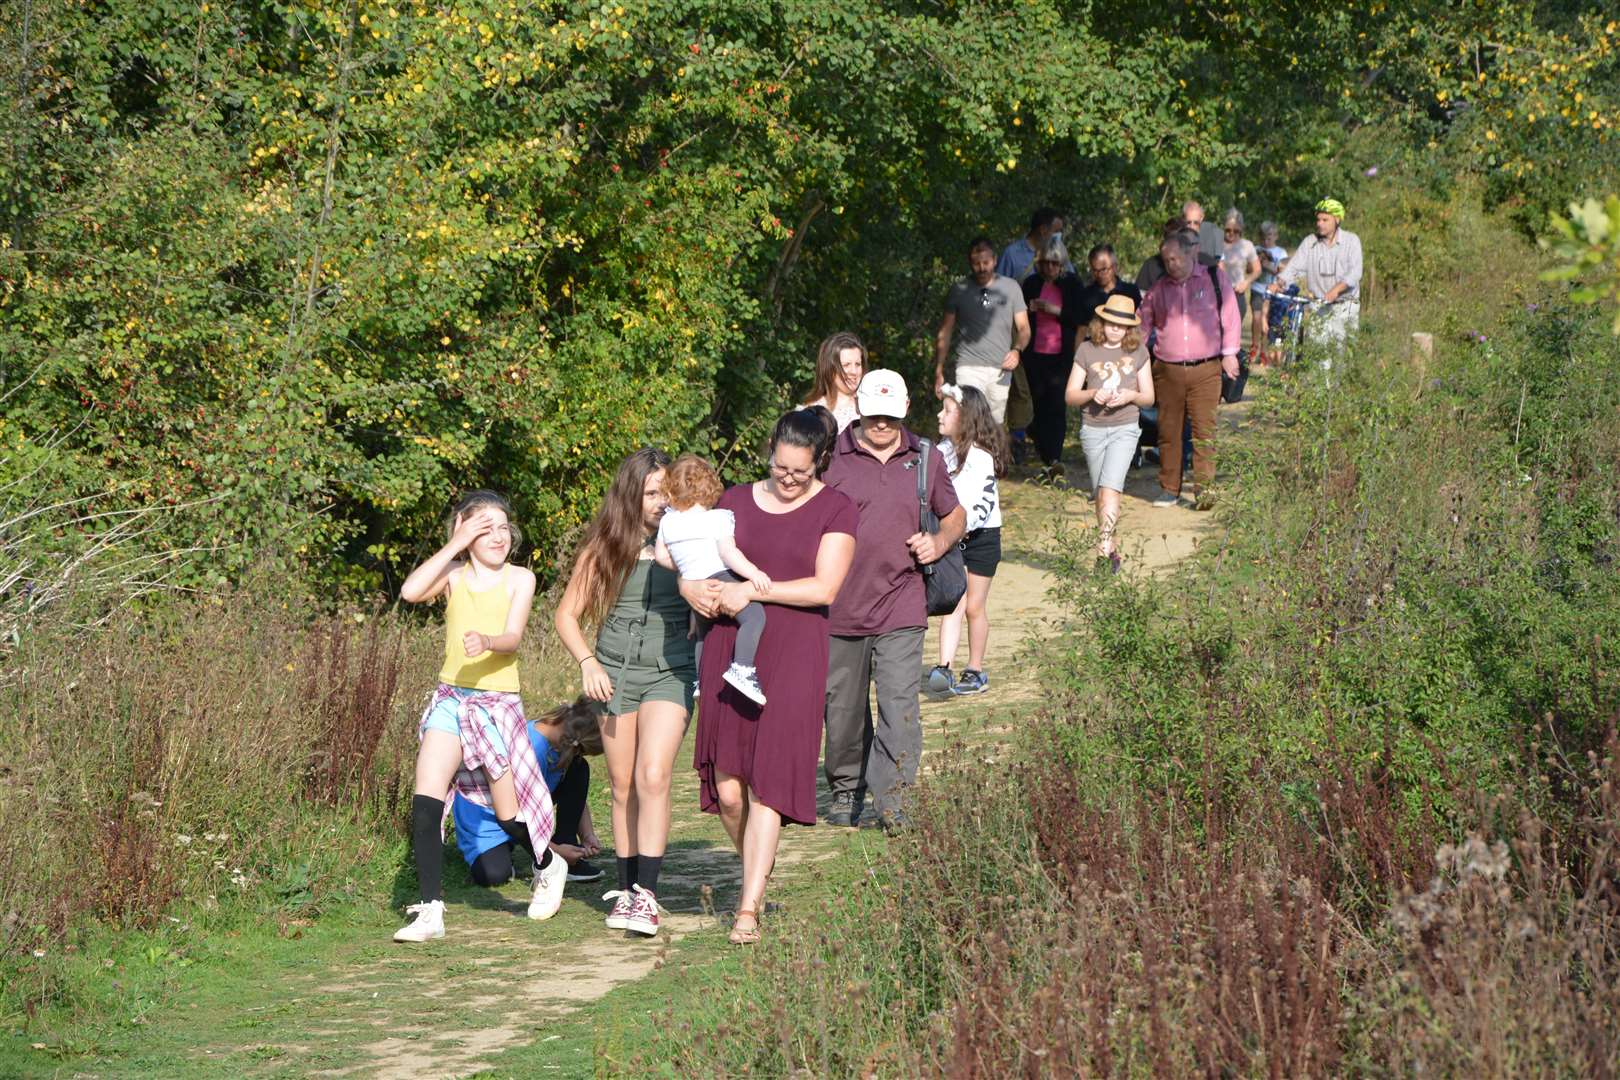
(641, 666)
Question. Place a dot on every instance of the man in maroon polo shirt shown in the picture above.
(881, 613)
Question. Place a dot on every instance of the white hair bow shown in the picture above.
(952, 392)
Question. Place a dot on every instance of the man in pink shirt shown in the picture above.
(1192, 314)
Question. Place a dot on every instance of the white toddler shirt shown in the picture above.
(693, 536)
(976, 486)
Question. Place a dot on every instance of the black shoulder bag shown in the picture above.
(1231, 389)
(946, 578)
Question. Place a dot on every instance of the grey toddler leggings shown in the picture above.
(750, 625)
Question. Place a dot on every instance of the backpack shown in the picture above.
(945, 580)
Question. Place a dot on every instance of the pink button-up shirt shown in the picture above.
(1190, 321)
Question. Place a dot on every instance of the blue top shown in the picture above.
(477, 830)
(1018, 260)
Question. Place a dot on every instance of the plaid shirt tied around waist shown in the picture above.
(482, 761)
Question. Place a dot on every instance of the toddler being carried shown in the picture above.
(699, 542)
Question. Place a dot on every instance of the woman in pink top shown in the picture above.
(1052, 295)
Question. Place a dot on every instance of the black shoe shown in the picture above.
(584, 871)
(842, 811)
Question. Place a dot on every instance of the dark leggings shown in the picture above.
(750, 626)
(1048, 383)
(494, 867)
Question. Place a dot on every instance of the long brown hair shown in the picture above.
(616, 535)
(828, 370)
(978, 427)
(581, 721)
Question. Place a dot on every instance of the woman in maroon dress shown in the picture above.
(757, 764)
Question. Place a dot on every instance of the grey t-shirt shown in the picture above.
(984, 319)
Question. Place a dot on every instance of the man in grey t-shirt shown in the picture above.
(986, 319)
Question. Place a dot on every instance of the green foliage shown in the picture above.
(1588, 245)
(325, 263)
(330, 262)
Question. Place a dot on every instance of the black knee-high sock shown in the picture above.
(427, 834)
(627, 871)
(647, 867)
(519, 832)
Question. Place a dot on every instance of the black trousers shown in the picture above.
(494, 867)
(1048, 381)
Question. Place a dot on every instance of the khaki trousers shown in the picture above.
(992, 382)
(1191, 391)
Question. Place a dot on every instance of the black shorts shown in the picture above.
(981, 551)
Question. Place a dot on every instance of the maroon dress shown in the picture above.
(774, 748)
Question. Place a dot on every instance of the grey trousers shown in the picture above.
(860, 754)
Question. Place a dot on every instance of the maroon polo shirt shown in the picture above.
(884, 589)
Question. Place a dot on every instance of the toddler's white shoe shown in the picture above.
(745, 680)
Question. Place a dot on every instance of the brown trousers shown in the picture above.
(1186, 390)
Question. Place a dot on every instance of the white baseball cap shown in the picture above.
(882, 393)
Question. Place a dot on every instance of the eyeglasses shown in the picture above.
(798, 476)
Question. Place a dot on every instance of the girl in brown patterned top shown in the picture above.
(1112, 380)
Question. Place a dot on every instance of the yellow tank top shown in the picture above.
(485, 612)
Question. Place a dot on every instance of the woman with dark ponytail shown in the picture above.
(757, 764)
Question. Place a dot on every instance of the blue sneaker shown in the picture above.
(939, 679)
(971, 682)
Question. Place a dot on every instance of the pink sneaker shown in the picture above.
(619, 917)
(643, 913)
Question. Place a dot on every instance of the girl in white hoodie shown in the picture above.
(975, 450)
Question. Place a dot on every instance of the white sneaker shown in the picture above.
(745, 680)
(619, 917)
(548, 888)
(428, 924)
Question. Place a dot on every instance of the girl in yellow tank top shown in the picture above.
(474, 721)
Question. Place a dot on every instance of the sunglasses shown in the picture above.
(984, 297)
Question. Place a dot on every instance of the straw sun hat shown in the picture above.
(1119, 309)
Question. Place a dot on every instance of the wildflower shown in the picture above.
(1372, 170)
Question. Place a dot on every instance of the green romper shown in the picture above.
(643, 643)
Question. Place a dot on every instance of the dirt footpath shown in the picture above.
(368, 1007)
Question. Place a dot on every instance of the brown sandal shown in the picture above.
(745, 935)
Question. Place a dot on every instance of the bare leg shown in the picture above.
(437, 760)
(978, 618)
(503, 793)
(733, 796)
(619, 748)
(758, 852)
(1107, 518)
(950, 633)
(661, 727)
